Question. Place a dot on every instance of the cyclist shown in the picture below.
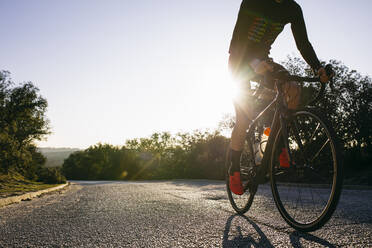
(258, 24)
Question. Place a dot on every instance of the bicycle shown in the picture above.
(315, 164)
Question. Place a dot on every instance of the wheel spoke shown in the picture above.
(320, 176)
(317, 154)
(299, 142)
(288, 193)
(297, 200)
(316, 129)
(327, 177)
(321, 198)
(312, 196)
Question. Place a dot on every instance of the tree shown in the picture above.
(101, 161)
(22, 121)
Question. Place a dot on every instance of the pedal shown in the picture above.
(261, 177)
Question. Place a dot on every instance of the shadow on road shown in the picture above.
(296, 236)
(257, 238)
(239, 240)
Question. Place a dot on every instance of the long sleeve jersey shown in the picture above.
(261, 21)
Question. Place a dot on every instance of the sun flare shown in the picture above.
(225, 89)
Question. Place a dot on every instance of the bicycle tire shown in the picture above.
(306, 174)
(240, 203)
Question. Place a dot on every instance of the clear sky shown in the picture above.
(118, 69)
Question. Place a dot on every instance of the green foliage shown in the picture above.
(99, 162)
(22, 121)
(51, 175)
(161, 156)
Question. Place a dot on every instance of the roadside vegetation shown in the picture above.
(201, 154)
(161, 156)
(22, 122)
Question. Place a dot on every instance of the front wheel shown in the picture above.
(306, 191)
(242, 203)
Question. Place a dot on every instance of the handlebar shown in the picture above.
(284, 76)
(311, 80)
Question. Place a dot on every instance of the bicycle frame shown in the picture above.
(278, 123)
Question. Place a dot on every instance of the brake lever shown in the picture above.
(331, 75)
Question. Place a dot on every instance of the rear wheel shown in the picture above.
(307, 192)
(242, 203)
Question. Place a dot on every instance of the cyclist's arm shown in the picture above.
(303, 44)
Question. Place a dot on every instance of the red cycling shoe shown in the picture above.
(236, 184)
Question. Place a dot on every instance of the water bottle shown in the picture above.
(257, 152)
(260, 145)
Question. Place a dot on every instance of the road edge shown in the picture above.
(28, 196)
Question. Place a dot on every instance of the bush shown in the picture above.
(51, 175)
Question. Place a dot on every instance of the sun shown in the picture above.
(222, 90)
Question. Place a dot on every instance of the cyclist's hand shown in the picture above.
(260, 67)
(324, 78)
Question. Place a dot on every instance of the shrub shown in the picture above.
(51, 175)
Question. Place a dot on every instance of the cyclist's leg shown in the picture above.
(242, 73)
(244, 111)
(238, 135)
(242, 121)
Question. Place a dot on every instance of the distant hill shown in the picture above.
(56, 156)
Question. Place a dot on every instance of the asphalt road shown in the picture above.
(172, 214)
